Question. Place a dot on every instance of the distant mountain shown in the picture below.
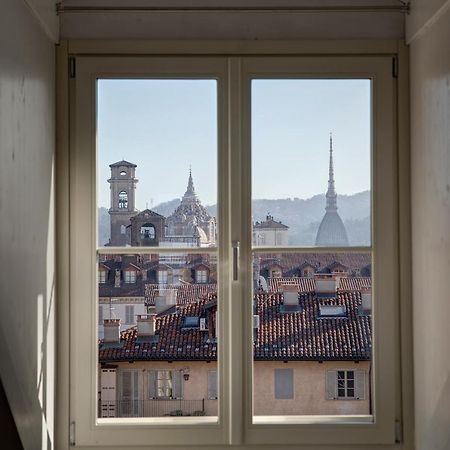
(303, 216)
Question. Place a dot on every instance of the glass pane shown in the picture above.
(157, 163)
(311, 162)
(167, 330)
(313, 315)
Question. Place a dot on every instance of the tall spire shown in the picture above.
(331, 192)
(190, 191)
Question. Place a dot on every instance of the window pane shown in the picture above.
(311, 169)
(157, 163)
(293, 335)
(168, 331)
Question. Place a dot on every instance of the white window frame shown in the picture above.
(129, 276)
(231, 427)
(201, 276)
(163, 276)
(91, 430)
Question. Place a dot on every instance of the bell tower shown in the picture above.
(123, 187)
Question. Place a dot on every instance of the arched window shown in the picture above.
(123, 200)
(148, 231)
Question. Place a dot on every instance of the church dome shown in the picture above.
(332, 231)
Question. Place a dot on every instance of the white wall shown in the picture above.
(430, 175)
(27, 128)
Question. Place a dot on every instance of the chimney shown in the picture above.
(166, 299)
(111, 329)
(146, 325)
(326, 287)
(366, 299)
(290, 295)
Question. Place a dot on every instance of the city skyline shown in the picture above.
(137, 116)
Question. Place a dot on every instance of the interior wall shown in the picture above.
(429, 36)
(231, 25)
(27, 129)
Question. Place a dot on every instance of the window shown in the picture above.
(123, 200)
(165, 384)
(201, 276)
(102, 275)
(346, 384)
(130, 276)
(250, 280)
(284, 384)
(129, 314)
(148, 231)
(163, 276)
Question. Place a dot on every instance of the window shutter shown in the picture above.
(135, 385)
(360, 384)
(129, 314)
(126, 385)
(284, 383)
(331, 384)
(152, 384)
(100, 314)
(177, 384)
(212, 385)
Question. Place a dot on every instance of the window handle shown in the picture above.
(235, 245)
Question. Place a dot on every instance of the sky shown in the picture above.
(169, 126)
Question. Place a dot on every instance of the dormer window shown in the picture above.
(201, 276)
(162, 276)
(102, 276)
(130, 276)
(148, 231)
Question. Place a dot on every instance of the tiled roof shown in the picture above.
(293, 261)
(304, 336)
(174, 343)
(305, 284)
(299, 335)
(186, 293)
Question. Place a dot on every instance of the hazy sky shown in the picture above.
(165, 126)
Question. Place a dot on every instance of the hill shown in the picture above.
(303, 216)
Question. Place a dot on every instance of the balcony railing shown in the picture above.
(151, 408)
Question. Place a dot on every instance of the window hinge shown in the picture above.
(72, 67)
(72, 433)
(398, 432)
(395, 66)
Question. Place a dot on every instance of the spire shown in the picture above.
(331, 193)
(190, 191)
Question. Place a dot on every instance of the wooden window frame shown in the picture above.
(236, 429)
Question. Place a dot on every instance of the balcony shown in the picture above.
(151, 408)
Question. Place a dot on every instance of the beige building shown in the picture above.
(270, 233)
(312, 354)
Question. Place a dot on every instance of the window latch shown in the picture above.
(235, 245)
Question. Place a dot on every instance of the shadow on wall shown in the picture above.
(8, 430)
